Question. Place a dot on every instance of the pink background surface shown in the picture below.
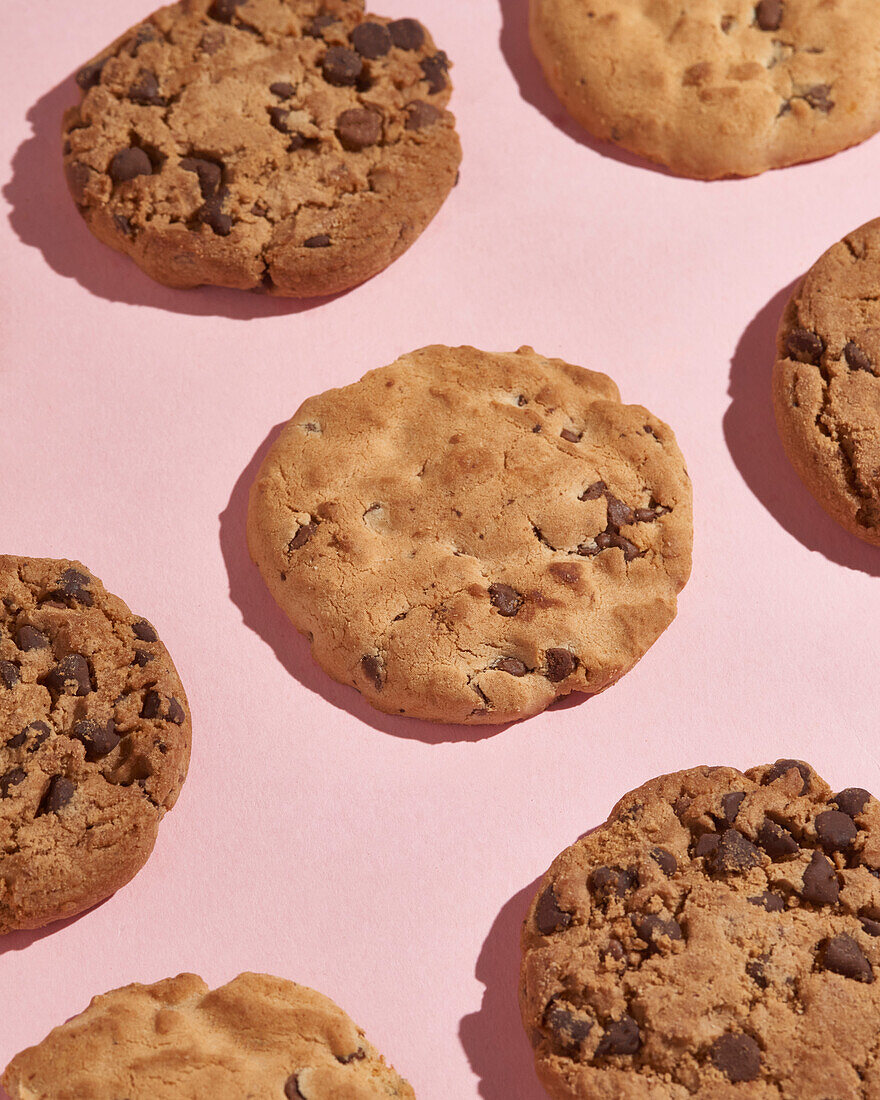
(387, 862)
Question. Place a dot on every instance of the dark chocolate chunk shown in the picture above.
(511, 665)
(560, 664)
(506, 599)
(652, 928)
(223, 10)
(320, 240)
(549, 917)
(594, 491)
(75, 585)
(145, 90)
(872, 927)
(730, 804)
(836, 831)
(28, 637)
(58, 794)
(773, 903)
(371, 40)
(607, 882)
(567, 1029)
(319, 24)
(434, 71)
(303, 535)
(738, 1057)
(666, 861)
(733, 853)
(129, 163)
(818, 98)
(211, 214)
(40, 733)
(282, 89)
(755, 970)
(12, 778)
(291, 1088)
(357, 128)
(407, 34)
(9, 674)
(619, 514)
(820, 881)
(18, 739)
(77, 176)
(144, 631)
(90, 75)
(123, 224)
(209, 173)
(97, 740)
(776, 841)
(856, 358)
(421, 115)
(768, 14)
(852, 801)
(805, 347)
(621, 1037)
(372, 669)
(781, 767)
(142, 658)
(278, 116)
(706, 844)
(571, 436)
(842, 955)
(176, 713)
(70, 676)
(341, 67)
(151, 705)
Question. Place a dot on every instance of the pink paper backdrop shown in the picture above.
(388, 862)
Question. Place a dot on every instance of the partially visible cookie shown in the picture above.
(467, 536)
(257, 1036)
(826, 381)
(94, 740)
(718, 936)
(715, 88)
(297, 146)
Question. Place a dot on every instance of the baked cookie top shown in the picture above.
(294, 145)
(826, 381)
(716, 937)
(716, 87)
(467, 536)
(94, 740)
(256, 1036)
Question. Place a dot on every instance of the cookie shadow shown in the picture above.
(43, 216)
(22, 940)
(534, 89)
(753, 441)
(261, 614)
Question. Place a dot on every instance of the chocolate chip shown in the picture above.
(738, 1057)
(278, 116)
(144, 631)
(212, 41)
(176, 713)
(407, 34)
(322, 240)
(12, 778)
(619, 513)
(319, 24)
(734, 853)
(666, 861)
(282, 89)
(18, 740)
(776, 841)
(371, 40)
(560, 664)
(805, 347)
(356, 1056)
(434, 72)
(98, 740)
(606, 882)
(842, 955)
(506, 599)
(836, 831)
(707, 844)
(781, 767)
(594, 491)
(571, 436)
(77, 176)
(652, 927)
(142, 658)
(621, 1037)
(549, 917)
(773, 903)
(755, 971)
(510, 665)
(856, 358)
(421, 115)
(71, 672)
(303, 535)
(145, 90)
(58, 794)
(40, 732)
(567, 1029)
(211, 214)
(90, 75)
(872, 927)
(223, 10)
(291, 1090)
(768, 14)
(730, 804)
(820, 881)
(129, 163)
(123, 225)
(358, 127)
(9, 674)
(74, 584)
(372, 669)
(144, 34)
(28, 638)
(818, 98)
(341, 67)
(151, 705)
(852, 801)
(209, 173)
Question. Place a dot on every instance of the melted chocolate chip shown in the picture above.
(282, 89)
(730, 804)
(321, 240)
(372, 669)
(420, 115)
(560, 664)
(151, 705)
(144, 631)
(371, 40)
(738, 1057)
(776, 841)
(145, 90)
(734, 853)
(666, 861)
(341, 67)
(209, 173)
(836, 831)
(510, 665)
(773, 903)
(357, 128)
(619, 514)
(549, 918)
(58, 794)
(303, 535)
(97, 740)
(434, 72)
(176, 713)
(129, 163)
(568, 1030)
(28, 638)
(856, 358)
(506, 599)
(852, 801)
(9, 674)
(781, 767)
(608, 882)
(820, 881)
(805, 347)
(768, 15)
(842, 955)
(69, 677)
(11, 778)
(407, 34)
(621, 1037)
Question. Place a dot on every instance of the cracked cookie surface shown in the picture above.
(297, 146)
(94, 740)
(177, 1040)
(826, 381)
(718, 936)
(466, 536)
(715, 88)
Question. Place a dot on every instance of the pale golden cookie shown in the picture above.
(466, 536)
(94, 740)
(716, 88)
(826, 381)
(294, 145)
(256, 1037)
(716, 937)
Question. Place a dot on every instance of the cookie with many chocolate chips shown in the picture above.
(715, 88)
(465, 537)
(257, 1036)
(826, 381)
(295, 145)
(718, 936)
(94, 740)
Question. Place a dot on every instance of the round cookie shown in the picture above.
(257, 1036)
(465, 536)
(826, 381)
(297, 146)
(715, 88)
(94, 740)
(716, 937)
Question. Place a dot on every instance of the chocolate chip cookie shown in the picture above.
(94, 740)
(826, 381)
(465, 537)
(715, 88)
(716, 937)
(257, 1036)
(298, 146)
